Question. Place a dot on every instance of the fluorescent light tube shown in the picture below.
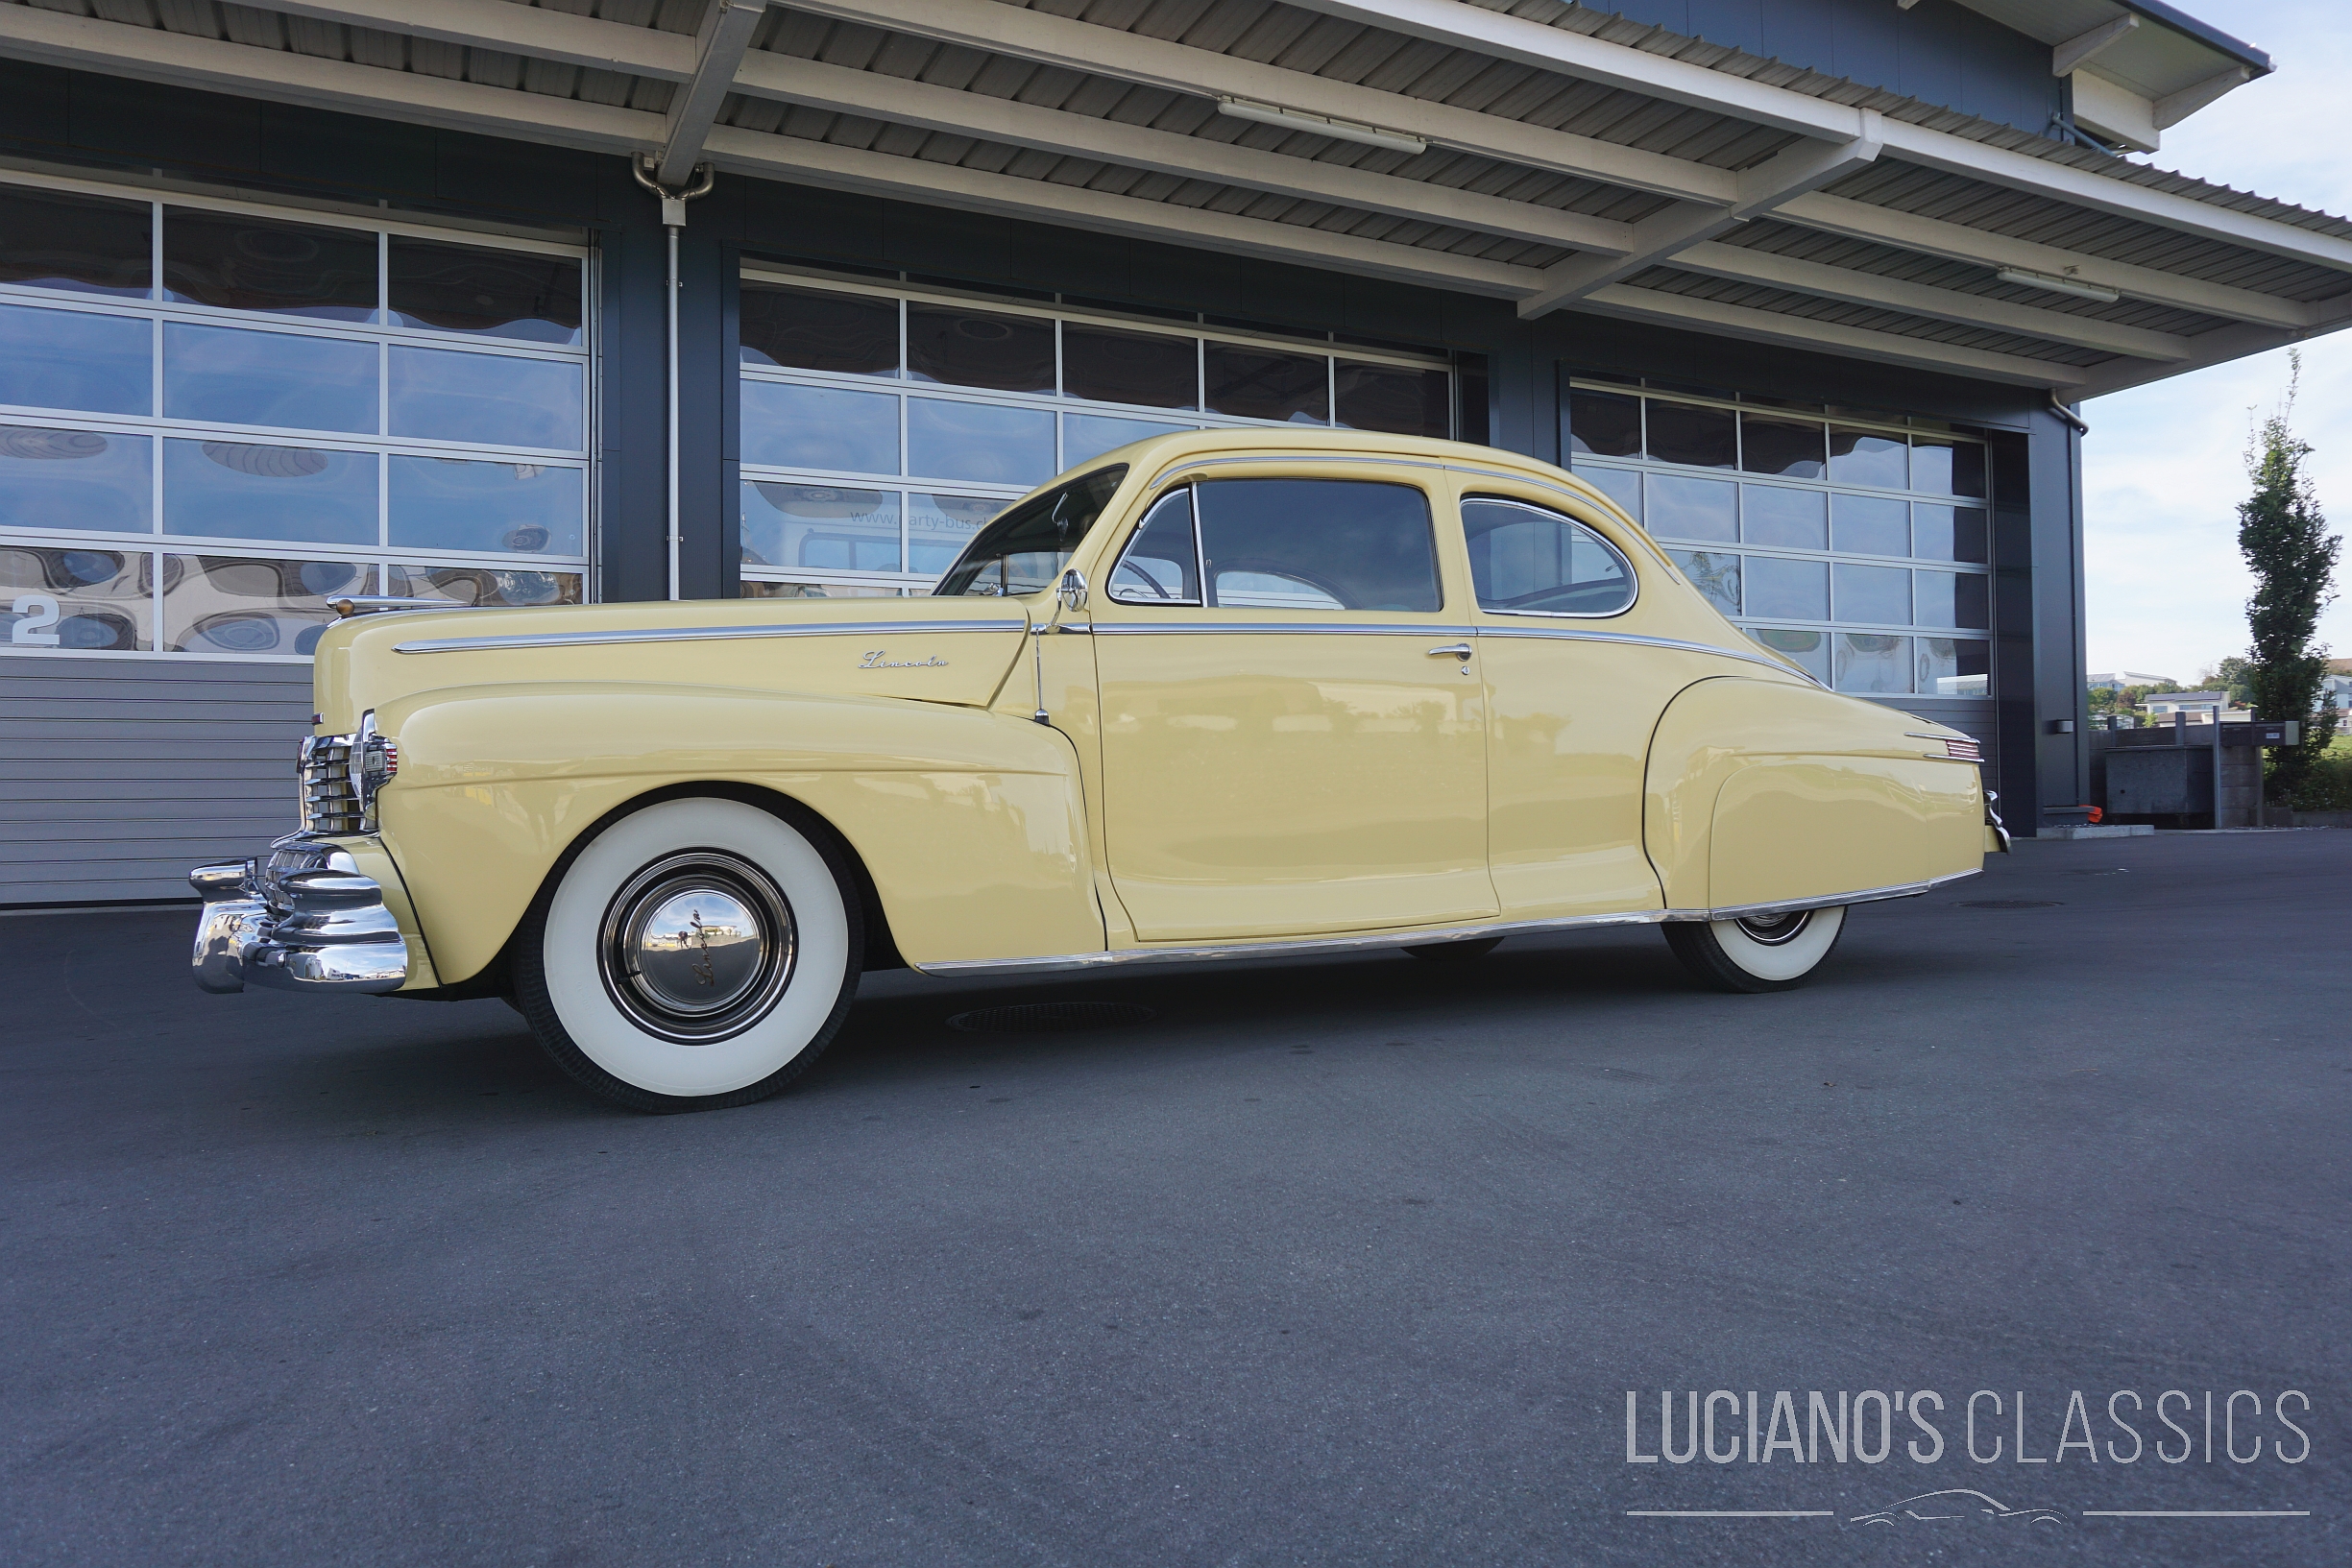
(1299, 119)
(2057, 284)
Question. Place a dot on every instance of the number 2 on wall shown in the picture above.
(39, 612)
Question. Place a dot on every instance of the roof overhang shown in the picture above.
(1578, 161)
(2136, 67)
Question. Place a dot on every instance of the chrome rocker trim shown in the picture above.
(300, 919)
(1315, 946)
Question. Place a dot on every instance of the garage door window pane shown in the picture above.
(979, 348)
(1530, 561)
(1956, 666)
(1686, 433)
(225, 376)
(235, 262)
(1131, 368)
(820, 527)
(75, 479)
(1866, 662)
(1714, 574)
(940, 526)
(473, 288)
(76, 359)
(820, 427)
(1947, 468)
(1622, 486)
(1260, 384)
(1318, 543)
(845, 334)
(1604, 423)
(1947, 598)
(985, 443)
(79, 244)
(1091, 435)
(1791, 519)
(1865, 458)
(1949, 533)
(233, 604)
(487, 400)
(1781, 447)
(1794, 590)
(1687, 508)
(1392, 398)
(234, 489)
(441, 503)
(73, 600)
(1874, 593)
(483, 584)
(1810, 649)
(1871, 525)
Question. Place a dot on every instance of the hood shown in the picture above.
(931, 650)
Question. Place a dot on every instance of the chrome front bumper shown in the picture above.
(301, 918)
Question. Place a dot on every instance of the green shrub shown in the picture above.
(2326, 785)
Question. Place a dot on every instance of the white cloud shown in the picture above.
(2163, 474)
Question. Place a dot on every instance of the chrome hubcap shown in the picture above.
(1775, 930)
(698, 947)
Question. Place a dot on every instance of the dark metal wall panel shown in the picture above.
(1935, 50)
(117, 777)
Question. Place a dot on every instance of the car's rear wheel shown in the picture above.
(696, 954)
(1756, 952)
(1454, 952)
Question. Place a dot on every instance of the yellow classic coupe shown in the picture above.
(1216, 694)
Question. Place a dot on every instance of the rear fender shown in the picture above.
(1764, 792)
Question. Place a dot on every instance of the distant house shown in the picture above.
(2336, 685)
(2196, 704)
(2118, 679)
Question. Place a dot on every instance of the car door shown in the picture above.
(1573, 695)
(1293, 727)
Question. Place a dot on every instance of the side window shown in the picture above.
(1532, 561)
(1162, 562)
(1317, 544)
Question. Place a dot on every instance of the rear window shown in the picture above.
(1025, 551)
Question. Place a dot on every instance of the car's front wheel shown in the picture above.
(696, 954)
(1756, 952)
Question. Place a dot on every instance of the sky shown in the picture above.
(2164, 465)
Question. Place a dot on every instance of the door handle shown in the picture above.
(1460, 650)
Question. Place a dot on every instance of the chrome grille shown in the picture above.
(330, 796)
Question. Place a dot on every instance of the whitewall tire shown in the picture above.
(694, 954)
(1770, 952)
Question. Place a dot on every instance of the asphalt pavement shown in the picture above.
(1329, 1261)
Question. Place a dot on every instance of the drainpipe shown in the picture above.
(2082, 426)
(674, 219)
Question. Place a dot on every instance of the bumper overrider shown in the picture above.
(301, 918)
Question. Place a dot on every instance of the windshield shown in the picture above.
(1025, 551)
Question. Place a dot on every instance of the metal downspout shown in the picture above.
(673, 221)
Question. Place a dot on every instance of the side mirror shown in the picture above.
(1073, 593)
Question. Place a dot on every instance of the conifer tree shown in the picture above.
(2283, 536)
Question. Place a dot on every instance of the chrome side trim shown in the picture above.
(1281, 628)
(699, 634)
(1578, 634)
(1790, 906)
(1317, 946)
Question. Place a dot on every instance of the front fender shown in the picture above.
(971, 823)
